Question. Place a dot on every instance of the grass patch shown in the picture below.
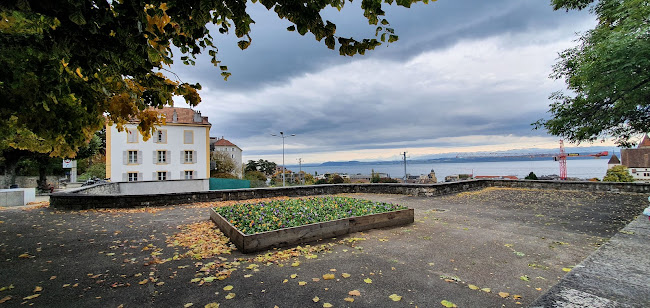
(251, 218)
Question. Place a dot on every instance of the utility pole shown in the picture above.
(283, 136)
(405, 177)
(302, 180)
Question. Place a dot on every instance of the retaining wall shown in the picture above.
(101, 197)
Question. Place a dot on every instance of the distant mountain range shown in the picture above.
(498, 156)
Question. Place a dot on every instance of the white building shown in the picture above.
(180, 149)
(232, 150)
(638, 161)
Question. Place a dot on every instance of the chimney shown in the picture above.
(197, 117)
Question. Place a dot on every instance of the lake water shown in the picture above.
(579, 168)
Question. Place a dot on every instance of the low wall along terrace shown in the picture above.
(113, 195)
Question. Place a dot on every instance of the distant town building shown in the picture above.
(613, 161)
(638, 161)
(428, 178)
(232, 150)
(177, 150)
(496, 177)
(458, 177)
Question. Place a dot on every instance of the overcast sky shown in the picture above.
(465, 75)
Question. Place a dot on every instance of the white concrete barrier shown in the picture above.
(17, 196)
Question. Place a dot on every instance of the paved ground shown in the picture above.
(514, 243)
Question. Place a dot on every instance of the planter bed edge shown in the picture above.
(311, 232)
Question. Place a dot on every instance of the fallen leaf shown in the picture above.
(448, 304)
(248, 275)
(302, 283)
(25, 256)
(285, 281)
(293, 276)
(328, 276)
(230, 296)
(53, 277)
(188, 305)
(315, 279)
(295, 264)
(327, 305)
(32, 296)
(524, 278)
(66, 285)
(367, 280)
(516, 296)
(486, 290)
(212, 305)
(346, 275)
(538, 289)
(504, 294)
(395, 297)
(566, 269)
(315, 299)
(473, 287)
(332, 270)
(227, 288)
(143, 281)
(354, 293)
(349, 299)
(38, 289)
(4, 299)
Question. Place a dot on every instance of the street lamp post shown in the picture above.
(283, 136)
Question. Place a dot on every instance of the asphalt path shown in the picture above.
(496, 247)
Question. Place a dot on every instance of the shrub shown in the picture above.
(337, 179)
(531, 176)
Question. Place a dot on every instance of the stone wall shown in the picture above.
(77, 200)
(30, 181)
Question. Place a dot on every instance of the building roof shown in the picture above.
(183, 116)
(614, 160)
(636, 158)
(645, 143)
(216, 141)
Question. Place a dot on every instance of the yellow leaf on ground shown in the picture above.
(38, 289)
(473, 287)
(346, 275)
(24, 256)
(315, 299)
(227, 288)
(285, 281)
(53, 277)
(230, 296)
(293, 276)
(354, 293)
(367, 280)
(395, 297)
(32, 296)
(295, 264)
(4, 299)
(315, 279)
(248, 276)
(349, 299)
(516, 296)
(143, 281)
(448, 304)
(328, 276)
(566, 269)
(66, 285)
(188, 305)
(327, 305)
(504, 294)
(212, 305)
(302, 283)
(486, 290)
(332, 270)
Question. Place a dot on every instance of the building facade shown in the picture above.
(638, 161)
(232, 150)
(178, 150)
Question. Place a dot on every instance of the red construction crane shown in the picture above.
(561, 158)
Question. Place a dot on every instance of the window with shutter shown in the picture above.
(132, 135)
(188, 137)
(161, 157)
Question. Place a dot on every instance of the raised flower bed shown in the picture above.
(254, 227)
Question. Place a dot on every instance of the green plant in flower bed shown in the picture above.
(279, 214)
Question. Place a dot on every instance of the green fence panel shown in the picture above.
(219, 184)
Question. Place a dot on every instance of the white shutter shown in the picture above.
(164, 136)
(140, 177)
(155, 157)
(139, 157)
(182, 157)
(168, 159)
(125, 177)
(193, 157)
(168, 175)
(125, 157)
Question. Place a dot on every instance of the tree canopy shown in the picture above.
(607, 75)
(618, 174)
(69, 66)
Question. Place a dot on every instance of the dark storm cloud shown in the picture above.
(463, 73)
